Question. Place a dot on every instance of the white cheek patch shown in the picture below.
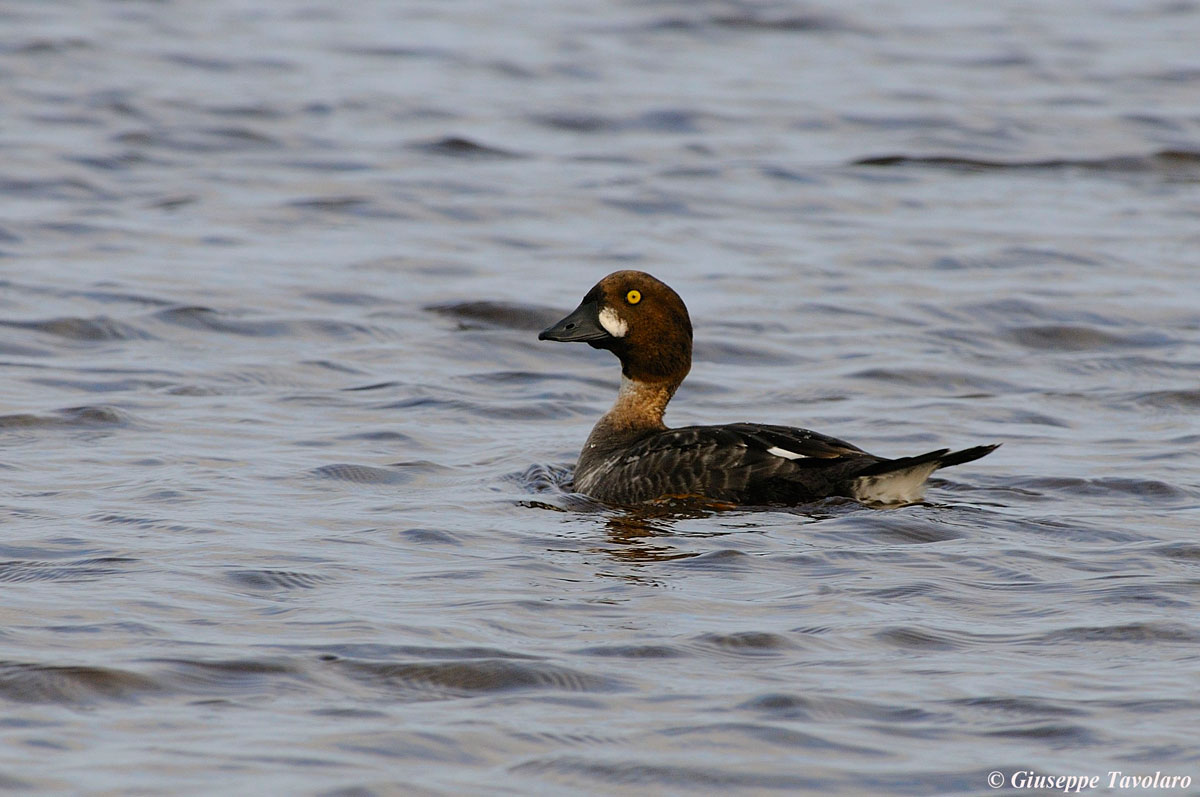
(613, 324)
(783, 452)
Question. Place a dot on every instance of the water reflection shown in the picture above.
(637, 537)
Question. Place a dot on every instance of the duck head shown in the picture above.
(639, 319)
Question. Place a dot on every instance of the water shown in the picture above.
(283, 459)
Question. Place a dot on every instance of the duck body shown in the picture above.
(631, 457)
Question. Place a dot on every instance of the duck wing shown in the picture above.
(743, 463)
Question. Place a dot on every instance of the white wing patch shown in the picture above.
(613, 324)
(783, 452)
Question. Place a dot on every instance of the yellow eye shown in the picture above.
(633, 297)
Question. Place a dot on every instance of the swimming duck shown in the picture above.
(631, 457)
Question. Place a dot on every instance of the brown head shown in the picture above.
(637, 318)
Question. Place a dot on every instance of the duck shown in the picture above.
(632, 458)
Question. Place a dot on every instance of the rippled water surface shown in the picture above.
(283, 464)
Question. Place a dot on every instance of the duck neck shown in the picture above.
(638, 409)
(640, 405)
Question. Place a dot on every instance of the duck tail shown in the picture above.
(942, 458)
(966, 455)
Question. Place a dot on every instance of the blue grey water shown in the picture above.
(282, 463)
